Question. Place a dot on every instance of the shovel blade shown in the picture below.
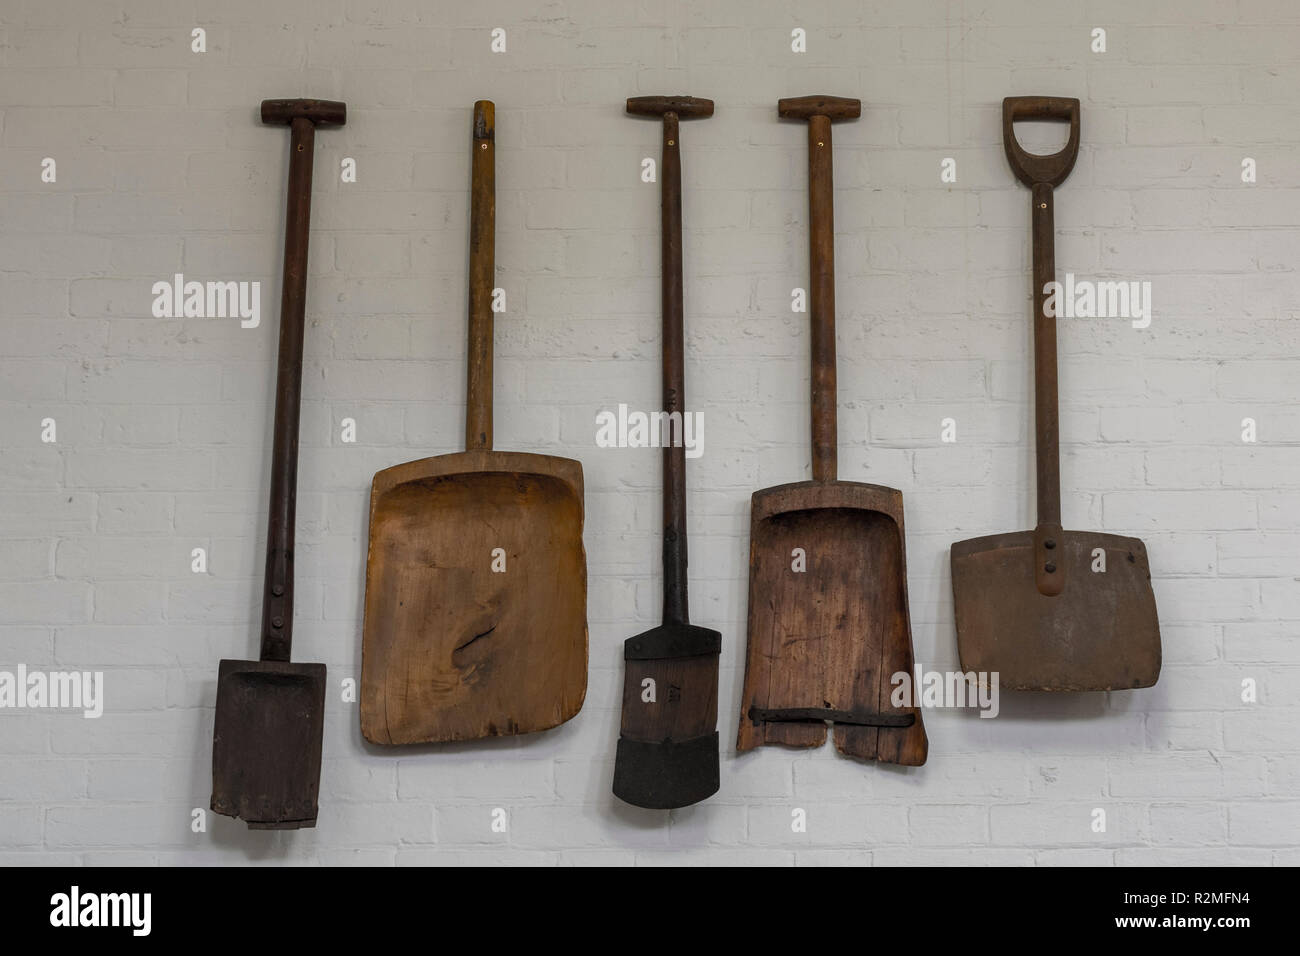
(266, 746)
(828, 621)
(476, 598)
(1100, 633)
(668, 747)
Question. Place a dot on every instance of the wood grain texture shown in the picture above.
(686, 704)
(830, 636)
(451, 649)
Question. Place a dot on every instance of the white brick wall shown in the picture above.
(164, 425)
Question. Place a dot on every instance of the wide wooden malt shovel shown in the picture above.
(825, 639)
(668, 748)
(476, 580)
(1050, 609)
(266, 742)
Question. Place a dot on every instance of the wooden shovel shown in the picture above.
(828, 616)
(476, 581)
(1050, 609)
(266, 742)
(668, 751)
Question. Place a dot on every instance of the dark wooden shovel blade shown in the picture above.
(1100, 633)
(668, 749)
(266, 746)
(476, 598)
(830, 636)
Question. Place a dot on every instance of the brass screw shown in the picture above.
(821, 144)
(482, 145)
(300, 147)
(1042, 205)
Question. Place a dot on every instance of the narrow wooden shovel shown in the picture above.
(828, 615)
(1050, 609)
(476, 578)
(668, 752)
(266, 743)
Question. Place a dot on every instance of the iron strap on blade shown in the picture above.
(476, 577)
(266, 739)
(668, 745)
(825, 640)
(1050, 609)
(761, 715)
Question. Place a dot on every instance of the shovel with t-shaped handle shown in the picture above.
(668, 749)
(828, 618)
(266, 742)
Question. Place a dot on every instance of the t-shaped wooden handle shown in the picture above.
(834, 108)
(319, 112)
(686, 107)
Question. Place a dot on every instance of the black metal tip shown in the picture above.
(666, 775)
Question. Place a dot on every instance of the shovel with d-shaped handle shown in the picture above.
(1050, 609)
(828, 617)
(266, 743)
(668, 750)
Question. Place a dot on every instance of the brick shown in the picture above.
(117, 826)
(1054, 824)
(1264, 824)
(20, 826)
(44, 602)
(1179, 510)
(948, 824)
(39, 780)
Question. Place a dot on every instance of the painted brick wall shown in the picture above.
(163, 425)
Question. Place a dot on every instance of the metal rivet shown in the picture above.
(277, 622)
(1049, 544)
(482, 145)
(300, 147)
(1042, 205)
(1049, 567)
(672, 142)
(278, 590)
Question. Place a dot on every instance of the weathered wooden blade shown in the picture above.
(266, 744)
(828, 638)
(476, 598)
(1100, 633)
